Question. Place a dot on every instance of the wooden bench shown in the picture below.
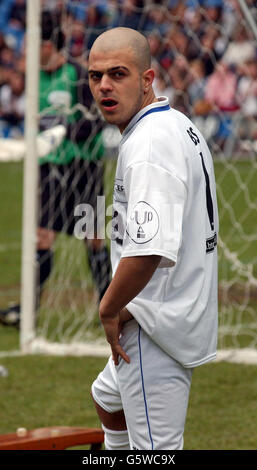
(52, 438)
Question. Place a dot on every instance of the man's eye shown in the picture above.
(95, 76)
(118, 74)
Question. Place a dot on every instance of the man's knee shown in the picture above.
(115, 429)
(115, 420)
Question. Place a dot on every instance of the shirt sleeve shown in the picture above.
(156, 200)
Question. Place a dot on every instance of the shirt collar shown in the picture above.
(161, 105)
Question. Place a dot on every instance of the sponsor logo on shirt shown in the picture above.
(143, 223)
(119, 192)
(211, 243)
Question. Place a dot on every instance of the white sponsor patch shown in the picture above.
(143, 223)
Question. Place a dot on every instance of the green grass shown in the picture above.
(237, 200)
(50, 391)
(222, 408)
(10, 228)
(47, 391)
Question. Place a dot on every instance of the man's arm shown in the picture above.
(132, 275)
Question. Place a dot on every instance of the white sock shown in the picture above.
(115, 440)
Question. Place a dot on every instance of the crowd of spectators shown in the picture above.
(204, 55)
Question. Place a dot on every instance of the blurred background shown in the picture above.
(204, 55)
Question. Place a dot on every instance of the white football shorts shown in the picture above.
(153, 391)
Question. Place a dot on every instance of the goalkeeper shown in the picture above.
(73, 174)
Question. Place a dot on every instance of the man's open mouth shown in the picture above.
(108, 103)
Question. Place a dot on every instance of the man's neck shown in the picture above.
(150, 98)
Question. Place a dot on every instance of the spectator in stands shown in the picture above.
(129, 14)
(179, 75)
(84, 28)
(208, 52)
(221, 88)
(231, 17)
(247, 97)
(2, 41)
(76, 43)
(177, 40)
(5, 126)
(176, 9)
(77, 9)
(4, 76)
(161, 85)
(6, 60)
(197, 86)
(160, 49)
(7, 57)
(17, 16)
(96, 22)
(213, 10)
(5, 9)
(193, 20)
(51, 5)
(157, 19)
(15, 29)
(12, 105)
(20, 63)
(240, 49)
(157, 48)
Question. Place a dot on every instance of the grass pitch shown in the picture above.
(50, 391)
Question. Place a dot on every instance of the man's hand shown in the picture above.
(124, 317)
(113, 326)
(131, 276)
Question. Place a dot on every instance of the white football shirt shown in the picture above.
(165, 204)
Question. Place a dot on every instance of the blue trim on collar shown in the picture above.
(155, 110)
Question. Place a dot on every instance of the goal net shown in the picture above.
(204, 56)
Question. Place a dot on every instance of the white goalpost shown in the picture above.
(28, 277)
(66, 321)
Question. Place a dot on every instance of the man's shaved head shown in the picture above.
(120, 75)
(125, 38)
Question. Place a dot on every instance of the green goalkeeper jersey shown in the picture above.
(61, 93)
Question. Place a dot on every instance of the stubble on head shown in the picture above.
(127, 50)
(125, 38)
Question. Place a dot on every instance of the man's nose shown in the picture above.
(106, 84)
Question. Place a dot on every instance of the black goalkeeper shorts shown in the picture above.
(63, 187)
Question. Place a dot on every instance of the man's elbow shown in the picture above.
(105, 310)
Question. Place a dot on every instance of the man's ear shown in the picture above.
(148, 78)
